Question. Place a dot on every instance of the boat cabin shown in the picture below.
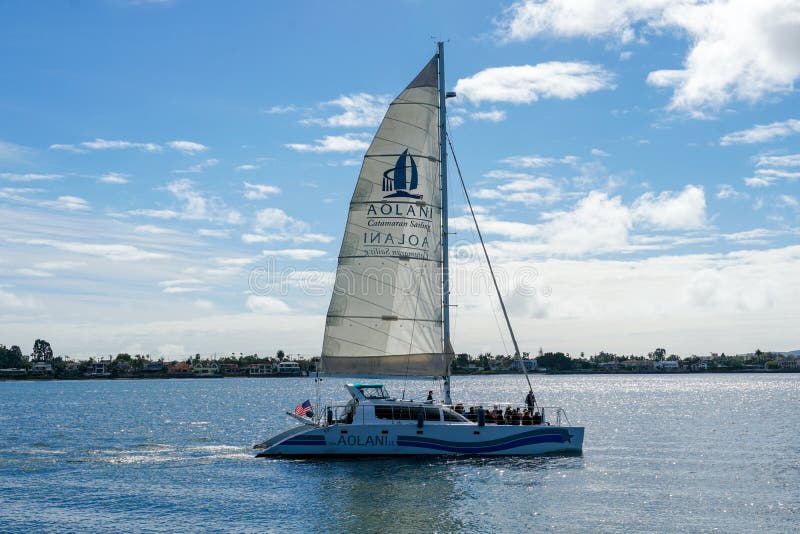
(372, 404)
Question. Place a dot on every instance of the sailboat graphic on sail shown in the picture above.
(389, 312)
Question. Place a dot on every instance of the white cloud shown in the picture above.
(158, 214)
(767, 177)
(301, 254)
(276, 110)
(36, 273)
(740, 49)
(105, 144)
(525, 84)
(359, 110)
(266, 305)
(187, 147)
(297, 238)
(195, 206)
(259, 191)
(788, 200)
(68, 203)
(153, 230)
(203, 304)
(684, 210)
(180, 282)
(275, 219)
(523, 188)
(171, 350)
(532, 162)
(726, 191)
(180, 290)
(599, 153)
(211, 232)
(13, 153)
(789, 160)
(113, 178)
(454, 121)
(274, 224)
(246, 167)
(29, 177)
(113, 252)
(11, 301)
(198, 167)
(354, 142)
(494, 115)
(762, 133)
(58, 265)
(596, 224)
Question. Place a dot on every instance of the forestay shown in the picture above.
(385, 315)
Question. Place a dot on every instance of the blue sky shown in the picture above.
(175, 176)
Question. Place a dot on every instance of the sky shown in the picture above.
(175, 175)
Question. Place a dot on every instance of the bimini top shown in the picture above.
(368, 391)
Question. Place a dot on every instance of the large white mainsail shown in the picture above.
(385, 316)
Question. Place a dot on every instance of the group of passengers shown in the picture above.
(496, 416)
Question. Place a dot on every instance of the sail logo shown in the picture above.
(400, 183)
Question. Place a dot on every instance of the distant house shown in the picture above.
(72, 369)
(42, 369)
(639, 366)
(99, 369)
(667, 365)
(530, 365)
(180, 369)
(699, 366)
(153, 368)
(790, 364)
(259, 369)
(230, 369)
(205, 368)
(287, 369)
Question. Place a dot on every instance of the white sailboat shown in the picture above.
(389, 313)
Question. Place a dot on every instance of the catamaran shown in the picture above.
(389, 312)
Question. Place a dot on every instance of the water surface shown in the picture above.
(697, 453)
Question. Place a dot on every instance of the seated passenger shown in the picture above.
(459, 408)
(537, 419)
(526, 418)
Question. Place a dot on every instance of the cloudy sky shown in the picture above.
(175, 176)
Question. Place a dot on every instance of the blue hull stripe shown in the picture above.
(510, 442)
(305, 440)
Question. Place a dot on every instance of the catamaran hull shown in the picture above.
(399, 440)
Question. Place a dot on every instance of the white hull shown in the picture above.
(434, 439)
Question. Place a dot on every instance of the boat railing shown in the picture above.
(343, 413)
(550, 415)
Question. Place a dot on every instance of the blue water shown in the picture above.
(696, 453)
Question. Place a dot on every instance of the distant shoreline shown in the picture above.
(486, 373)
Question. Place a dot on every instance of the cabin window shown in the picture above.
(374, 392)
(450, 415)
(406, 413)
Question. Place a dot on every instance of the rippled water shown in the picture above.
(662, 454)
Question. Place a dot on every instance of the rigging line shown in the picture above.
(489, 264)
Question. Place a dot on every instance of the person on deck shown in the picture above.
(429, 400)
(530, 400)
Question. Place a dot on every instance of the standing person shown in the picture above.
(430, 397)
(530, 400)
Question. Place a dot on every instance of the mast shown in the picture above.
(446, 346)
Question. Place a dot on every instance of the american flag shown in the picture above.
(303, 408)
